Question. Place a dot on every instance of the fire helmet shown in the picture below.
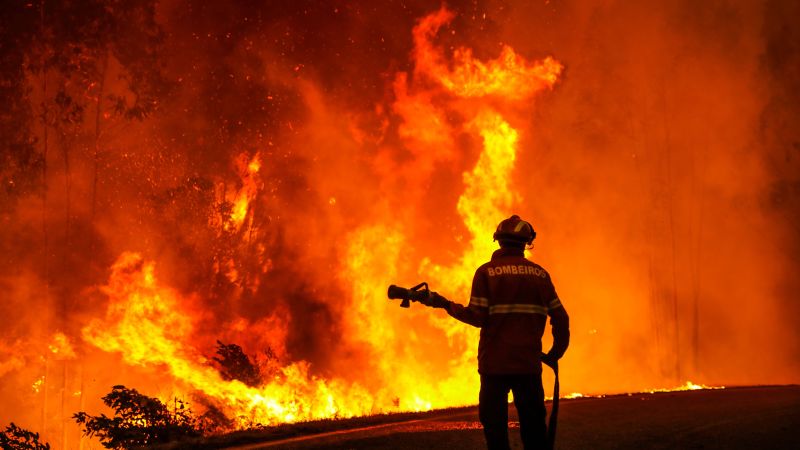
(516, 230)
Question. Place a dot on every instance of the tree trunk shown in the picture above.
(45, 244)
(670, 189)
(97, 119)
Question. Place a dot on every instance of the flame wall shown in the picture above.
(307, 156)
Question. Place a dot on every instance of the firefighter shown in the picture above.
(510, 301)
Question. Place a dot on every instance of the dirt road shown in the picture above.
(738, 418)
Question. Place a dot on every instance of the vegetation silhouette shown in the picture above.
(140, 421)
(16, 438)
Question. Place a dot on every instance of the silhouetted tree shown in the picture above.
(236, 365)
(16, 438)
(20, 163)
(139, 421)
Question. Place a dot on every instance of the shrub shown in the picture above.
(16, 438)
(139, 421)
(236, 365)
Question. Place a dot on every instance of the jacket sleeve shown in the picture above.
(559, 322)
(477, 311)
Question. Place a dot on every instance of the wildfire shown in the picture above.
(689, 386)
(212, 212)
(150, 324)
(573, 395)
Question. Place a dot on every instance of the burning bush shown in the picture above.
(236, 365)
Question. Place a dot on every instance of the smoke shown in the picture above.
(652, 179)
(660, 174)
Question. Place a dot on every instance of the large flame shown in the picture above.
(151, 325)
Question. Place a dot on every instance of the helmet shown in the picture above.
(516, 230)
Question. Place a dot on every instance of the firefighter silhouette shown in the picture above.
(510, 301)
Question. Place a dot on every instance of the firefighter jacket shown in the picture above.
(510, 301)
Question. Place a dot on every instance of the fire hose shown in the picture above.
(551, 426)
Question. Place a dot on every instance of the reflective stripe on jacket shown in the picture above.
(510, 301)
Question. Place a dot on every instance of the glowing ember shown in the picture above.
(37, 385)
(61, 348)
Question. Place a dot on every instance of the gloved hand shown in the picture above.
(549, 360)
(434, 300)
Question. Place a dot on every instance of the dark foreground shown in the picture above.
(735, 418)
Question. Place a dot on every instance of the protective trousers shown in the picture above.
(529, 401)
